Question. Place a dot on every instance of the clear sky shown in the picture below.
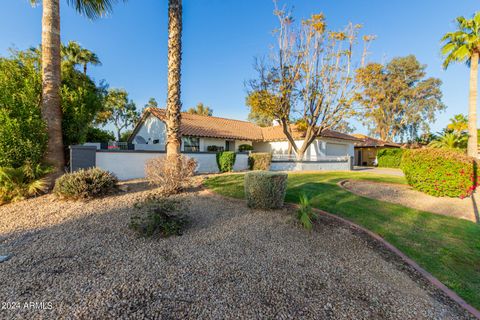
(221, 38)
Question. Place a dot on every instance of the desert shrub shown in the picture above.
(305, 214)
(260, 161)
(440, 172)
(390, 158)
(85, 184)
(265, 189)
(245, 147)
(226, 160)
(159, 216)
(169, 177)
(214, 148)
(20, 183)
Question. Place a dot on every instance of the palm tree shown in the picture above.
(463, 45)
(74, 54)
(174, 104)
(51, 72)
(201, 109)
(450, 140)
(458, 124)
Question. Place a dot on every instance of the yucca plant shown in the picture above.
(305, 214)
(17, 184)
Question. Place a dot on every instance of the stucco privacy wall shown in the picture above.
(131, 165)
(326, 165)
(321, 147)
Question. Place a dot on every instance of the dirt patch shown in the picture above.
(233, 262)
(406, 196)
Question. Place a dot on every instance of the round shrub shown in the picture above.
(245, 147)
(260, 161)
(226, 160)
(265, 189)
(85, 184)
(440, 172)
(390, 158)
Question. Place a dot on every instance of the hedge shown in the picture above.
(225, 161)
(265, 189)
(440, 172)
(390, 158)
(245, 147)
(259, 161)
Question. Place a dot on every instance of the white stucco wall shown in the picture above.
(131, 165)
(151, 129)
(319, 148)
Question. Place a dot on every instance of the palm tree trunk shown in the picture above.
(51, 81)
(472, 108)
(174, 74)
(85, 69)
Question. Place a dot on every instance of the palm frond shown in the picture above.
(93, 9)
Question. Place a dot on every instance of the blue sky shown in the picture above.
(221, 38)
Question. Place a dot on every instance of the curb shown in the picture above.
(425, 274)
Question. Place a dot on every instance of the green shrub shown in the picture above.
(265, 189)
(226, 160)
(245, 147)
(85, 184)
(20, 183)
(159, 216)
(390, 158)
(305, 213)
(99, 135)
(260, 161)
(440, 172)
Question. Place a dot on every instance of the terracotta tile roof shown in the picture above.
(372, 142)
(215, 127)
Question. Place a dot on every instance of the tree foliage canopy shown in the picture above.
(201, 109)
(396, 100)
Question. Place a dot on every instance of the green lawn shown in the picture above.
(447, 247)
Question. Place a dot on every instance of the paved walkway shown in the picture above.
(391, 171)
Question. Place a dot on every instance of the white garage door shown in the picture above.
(336, 149)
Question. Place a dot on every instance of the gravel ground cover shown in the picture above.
(81, 261)
(405, 195)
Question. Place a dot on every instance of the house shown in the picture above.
(203, 136)
(206, 133)
(366, 150)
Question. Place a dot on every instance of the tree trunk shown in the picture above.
(174, 74)
(472, 108)
(51, 81)
(85, 69)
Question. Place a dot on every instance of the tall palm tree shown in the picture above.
(51, 72)
(74, 53)
(174, 104)
(463, 45)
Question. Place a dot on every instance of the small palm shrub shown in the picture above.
(305, 214)
(85, 184)
(265, 189)
(17, 184)
(226, 161)
(390, 158)
(440, 172)
(260, 161)
(245, 147)
(160, 216)
(171, 177)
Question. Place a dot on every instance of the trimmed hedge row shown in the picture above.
(390, 158)
(265, 189)
(226, 160)
(440, 172)
(260, 161)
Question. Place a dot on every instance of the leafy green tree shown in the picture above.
(458, 124)
(260, 119)
(51, 72)
(201, 109)
(98, 135)
(396, 99)
(125, 135)
(463, 45)
(118, 110)
(152, 103)
(23, 136)
(75, 55)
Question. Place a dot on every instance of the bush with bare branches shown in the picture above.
(169, 177)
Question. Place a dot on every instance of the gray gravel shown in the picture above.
(232, 262)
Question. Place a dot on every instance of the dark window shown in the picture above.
(191, 144)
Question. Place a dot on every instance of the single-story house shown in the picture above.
(200, 133)
(367, 148)
(203, 136)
